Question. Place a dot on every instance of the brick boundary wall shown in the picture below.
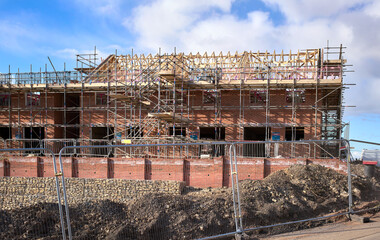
(194, 172)
(25, 191)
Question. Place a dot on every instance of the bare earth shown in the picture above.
(299, 192)
(346, 230)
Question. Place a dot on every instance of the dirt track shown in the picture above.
(295, 193)
(341, 230)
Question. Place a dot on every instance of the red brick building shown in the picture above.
(177, 98)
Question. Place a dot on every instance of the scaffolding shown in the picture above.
(159, 98)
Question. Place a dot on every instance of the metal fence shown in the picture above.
(306, 192)
(60, 77)
(173, 151)
(55, 145)
(28, 209)
(160, 215)
(284, 196)
(365, 165)
(257, 149)
(24, 143)
(92, 152)
(164, 148)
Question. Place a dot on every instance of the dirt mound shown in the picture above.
(357, 169)
(153, 216)
(176, 217)
(298, 192)
(295, 193)
(38, 221)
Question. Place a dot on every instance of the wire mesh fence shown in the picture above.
(155, 149)
(161, 208)
(55, 145)
(30, 207)
(365, 166)
(297, 192)
(291, 149)
(203, 190)
(304, 194)
(92, 152)
(173, 151)
(28, 144)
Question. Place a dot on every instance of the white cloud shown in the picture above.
(213, 25)
(227, 33)
(194, 26)
(68, 53)
(305, 10)
(162, 23)
(71, 53)
(373, 9)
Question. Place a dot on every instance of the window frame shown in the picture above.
(5, 99)
(299, 96)
(210, 96)
(30, 98)
(255, 93)
(103, 101)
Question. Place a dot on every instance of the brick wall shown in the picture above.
(194, 172)
(97, 114)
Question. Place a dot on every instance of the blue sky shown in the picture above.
(33, 30)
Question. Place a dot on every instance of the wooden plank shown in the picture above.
(129, 99)
(168, 116)
(191, 84)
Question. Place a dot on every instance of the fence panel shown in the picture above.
(93, 152)
(296, 182)
(172, 150)
(30, 207)
(366, 165)
(291, 149)
(25, 143)
(57, 144)
(126, 206)
(160, 208)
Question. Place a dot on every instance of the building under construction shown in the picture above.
(177, 97)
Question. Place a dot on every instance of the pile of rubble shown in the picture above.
(298, 192)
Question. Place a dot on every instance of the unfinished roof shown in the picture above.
(304, 68)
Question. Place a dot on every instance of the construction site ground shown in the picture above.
(298, 192)
(341, 230)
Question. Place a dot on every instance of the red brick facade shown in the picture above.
(47, 115)
(195, 172)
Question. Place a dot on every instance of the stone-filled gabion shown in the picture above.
(18, 192)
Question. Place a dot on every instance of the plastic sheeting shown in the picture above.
(371, 155)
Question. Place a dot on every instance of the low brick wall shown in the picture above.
(212, 172)
(24, 191)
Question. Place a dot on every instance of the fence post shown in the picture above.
(75, 144)
(64, 193)
(235, 191)
(349, 180)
